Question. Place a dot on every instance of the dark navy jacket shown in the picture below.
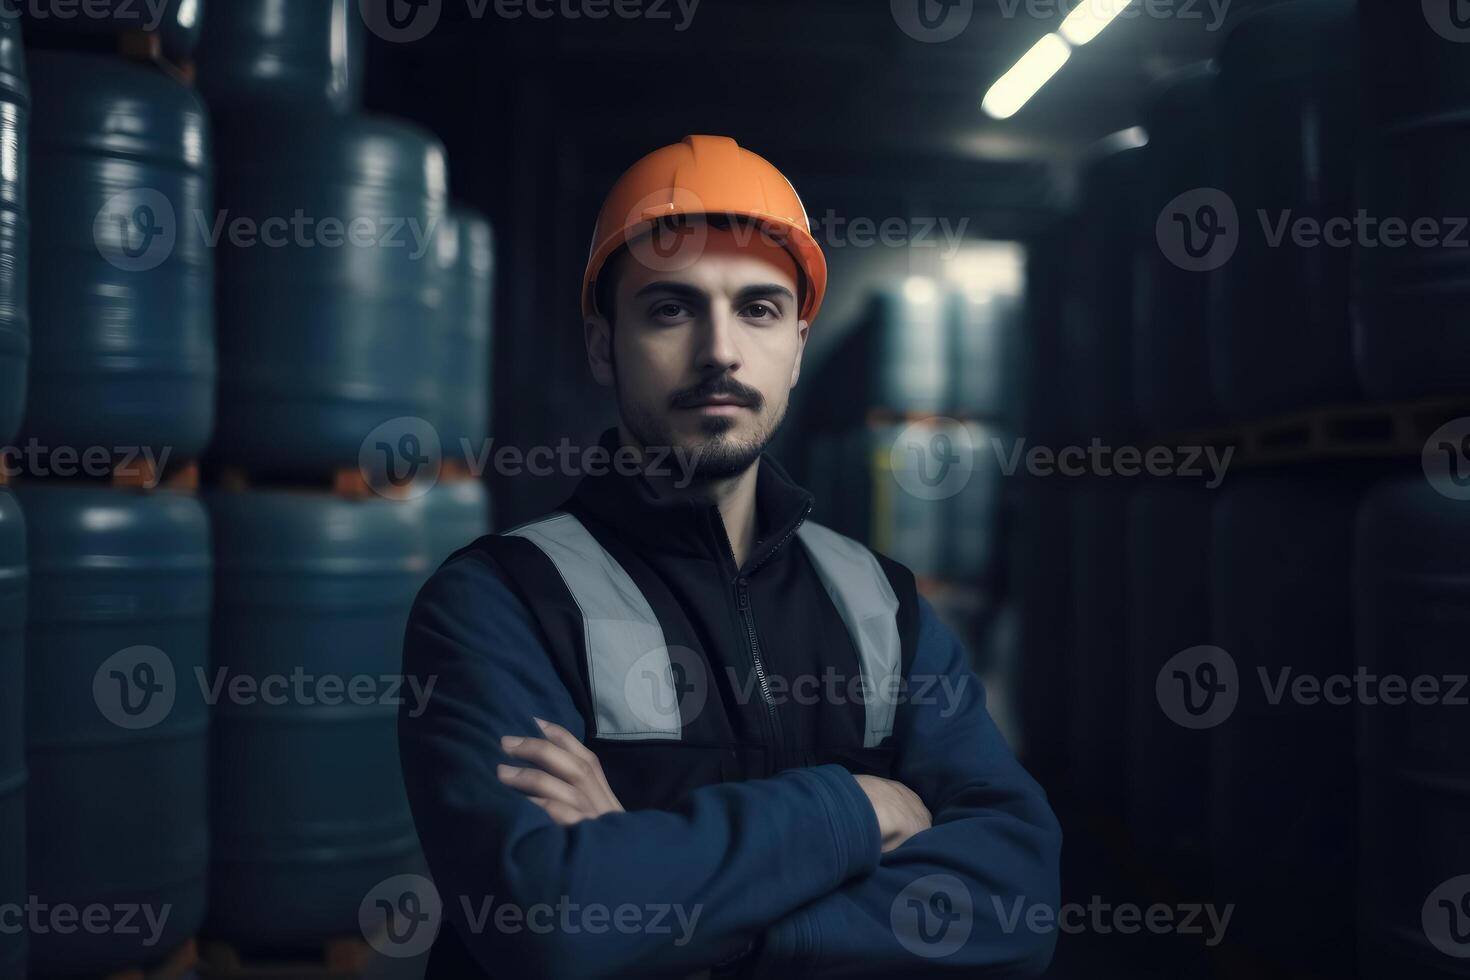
(747, 842)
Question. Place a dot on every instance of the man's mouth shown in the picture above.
(718, 405)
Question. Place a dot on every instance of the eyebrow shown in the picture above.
(686, 291)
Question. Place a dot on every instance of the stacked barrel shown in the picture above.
(1100, 307)
(905, 423)
(1039, 550)
(354, 342)
(1262, 317)
(335, 401)
(1168, 522)
(14, 358)
(13, 581)
(929, 359)
(114, 306)
(1412, 565)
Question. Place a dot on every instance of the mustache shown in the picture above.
(721, 384)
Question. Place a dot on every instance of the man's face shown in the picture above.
(703, 357)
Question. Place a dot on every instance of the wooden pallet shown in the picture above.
(147, 47)
(347, 482)
(455, 471)
(123, 472)
(1335, 432)
(337, 959)
(177, 966)
(877, 418)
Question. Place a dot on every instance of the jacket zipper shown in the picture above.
(742, 599)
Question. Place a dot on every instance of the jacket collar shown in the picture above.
(680, 525)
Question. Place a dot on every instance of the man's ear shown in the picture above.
(597, 333)
(802, 330)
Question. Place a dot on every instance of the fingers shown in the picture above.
(566, 771)
(559, 812)
(565, 740)
(534, 782)
(552, 758)
(561, 754)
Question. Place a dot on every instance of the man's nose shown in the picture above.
(719, 341)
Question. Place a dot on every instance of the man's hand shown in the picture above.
(901, 814)
(569, 783)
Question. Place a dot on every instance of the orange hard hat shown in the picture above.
(706, 175)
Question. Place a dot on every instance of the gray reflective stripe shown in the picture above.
(864, 598)
(627, 659)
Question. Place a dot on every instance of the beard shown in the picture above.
(717, 453)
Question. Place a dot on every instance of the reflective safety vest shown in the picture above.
(674, 697)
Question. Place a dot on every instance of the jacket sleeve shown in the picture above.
(955, 897)
(647, 893)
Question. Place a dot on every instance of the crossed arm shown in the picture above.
(791, 862)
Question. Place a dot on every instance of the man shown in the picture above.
(677, 727)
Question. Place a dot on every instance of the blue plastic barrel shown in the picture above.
(1168, 561)
(15, 329)
(1104, 300)
(122, 276)
(1413, 287)
(1171, 339)
(467, 263)
(96, 25)
(1040, 538)
(116, 719)
(984, 351)
(1099, 692)
(12, 727)
(895, 358)
(1283, 340)
(1283, 781)
(1040, 556)
(326, 319)
(308, 802)
(1412, 591)
(455, 512)
(1046, 361)
(298, 55)
(972, 514)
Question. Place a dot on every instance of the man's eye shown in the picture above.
(760, 311)
(668, 310)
